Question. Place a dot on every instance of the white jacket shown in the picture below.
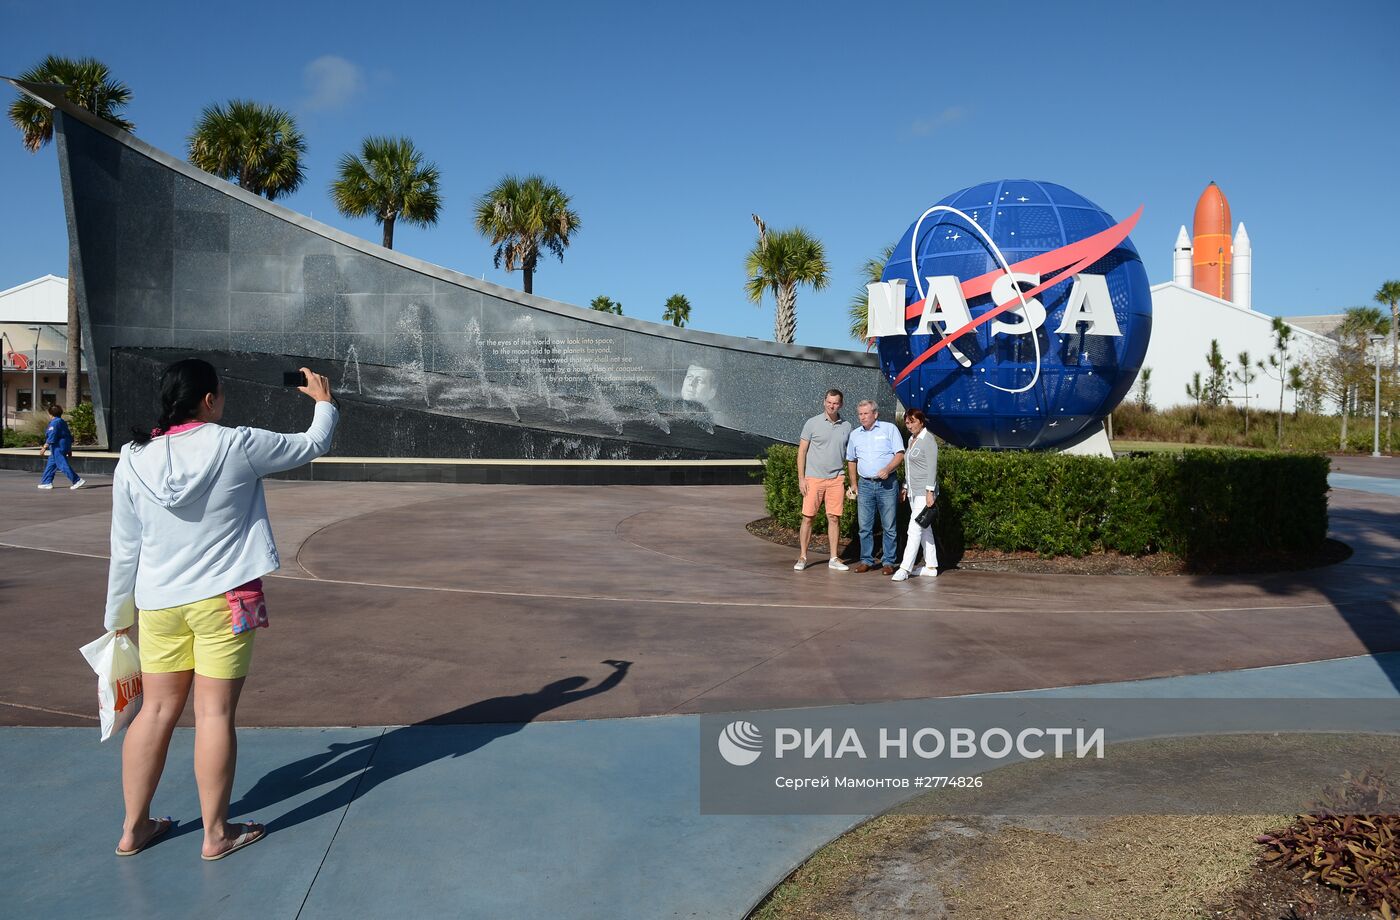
(189, 520)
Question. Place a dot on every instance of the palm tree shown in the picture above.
(1359, 322)
(677, 310)
(779, 262)
(604, 304)
(522, 216)
(1389, 294)
(89, 84)
(871, 272)
(391, 181)
(258, 146)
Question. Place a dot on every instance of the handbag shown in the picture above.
(926, 517)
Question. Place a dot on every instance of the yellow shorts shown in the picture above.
(197, 637)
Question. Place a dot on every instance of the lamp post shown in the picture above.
(1376, 434)
(34, 392)
(4, 389)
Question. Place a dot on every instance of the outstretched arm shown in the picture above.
(271, 452)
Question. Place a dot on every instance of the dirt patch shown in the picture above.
(1201, 867)
(1045, 842)
(1331, 553)
(1271, 892)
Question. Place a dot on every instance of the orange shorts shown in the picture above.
(832, 490)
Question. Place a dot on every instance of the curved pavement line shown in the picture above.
(687, 602)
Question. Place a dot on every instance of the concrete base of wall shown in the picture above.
(491, 472)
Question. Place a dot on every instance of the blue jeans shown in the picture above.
(58, 463)
(882, 495)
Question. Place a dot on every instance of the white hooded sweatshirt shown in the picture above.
(189, 520)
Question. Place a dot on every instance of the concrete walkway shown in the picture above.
(484, 623)
(594, 819)
(471, 604)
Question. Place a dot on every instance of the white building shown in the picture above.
(1184, 321)
(33, 346)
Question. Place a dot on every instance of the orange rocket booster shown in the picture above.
(1211, 254)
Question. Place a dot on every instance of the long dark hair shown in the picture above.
(183, 387)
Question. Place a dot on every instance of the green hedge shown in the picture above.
(781, 495)
(1202, 505)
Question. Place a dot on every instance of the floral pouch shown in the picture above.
(247, 608)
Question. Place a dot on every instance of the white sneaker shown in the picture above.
(837, 564)
(929, 571)
(78, 485)
(901, 575)
(799, 565)
(46, 485)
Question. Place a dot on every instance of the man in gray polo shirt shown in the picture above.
(821, 452)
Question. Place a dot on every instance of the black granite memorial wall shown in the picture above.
(170, 261)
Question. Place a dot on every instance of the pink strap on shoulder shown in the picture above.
(175, 429)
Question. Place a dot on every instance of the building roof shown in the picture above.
(41, 301)
(1322, 323)
(1290, 320)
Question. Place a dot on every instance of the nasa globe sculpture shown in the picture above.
(1026, 320)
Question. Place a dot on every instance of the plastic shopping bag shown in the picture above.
(117, 662)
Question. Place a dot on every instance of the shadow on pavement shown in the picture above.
(361, 771)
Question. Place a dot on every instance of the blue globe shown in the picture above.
(1082, 374)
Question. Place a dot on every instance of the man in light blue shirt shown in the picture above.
(873, 452)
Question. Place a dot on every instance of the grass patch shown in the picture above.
(1225, 427)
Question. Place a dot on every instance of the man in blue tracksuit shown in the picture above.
(58, 444)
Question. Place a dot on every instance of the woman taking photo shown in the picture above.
(190, 544)
(921, 490)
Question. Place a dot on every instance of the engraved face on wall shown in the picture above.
(699, 385)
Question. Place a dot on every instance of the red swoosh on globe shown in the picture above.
(1082, 254)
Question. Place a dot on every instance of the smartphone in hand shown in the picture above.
(293, 379)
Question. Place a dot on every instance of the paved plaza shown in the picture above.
(482, 700)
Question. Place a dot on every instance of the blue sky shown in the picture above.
(668, 124)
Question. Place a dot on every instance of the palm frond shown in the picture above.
(870, 272)
(258, 146)
(787, 257)
(388, 179)
(87, 83)
(521, 216)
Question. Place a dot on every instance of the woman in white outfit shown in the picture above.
(921, 490)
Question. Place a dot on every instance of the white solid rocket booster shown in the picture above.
(1243, 269)
(1181, 259)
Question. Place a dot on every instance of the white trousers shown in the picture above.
(919, 536)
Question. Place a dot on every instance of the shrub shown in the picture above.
(15, 438)
(1203, 505)
(782, 497)
(1357, 854)
(83, 424)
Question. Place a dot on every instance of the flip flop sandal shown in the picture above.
(163, 826)
(244, 839)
